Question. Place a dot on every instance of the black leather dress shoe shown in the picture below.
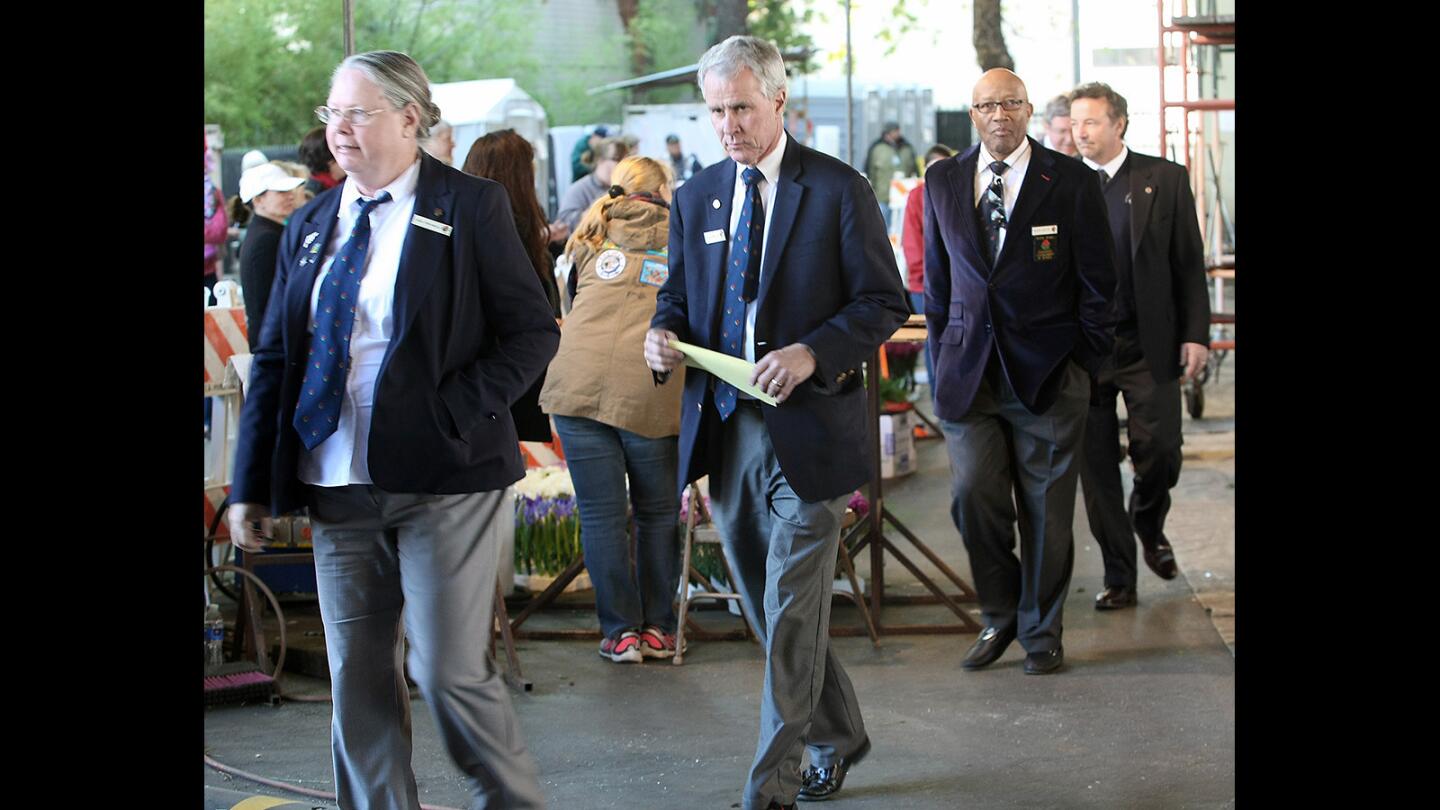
(1044, 663)
(1115, 597)
(988, 647)
(1161, 559)
(819, 784)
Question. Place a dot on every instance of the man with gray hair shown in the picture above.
(1057, 127)
(405, 321)
(779, 256)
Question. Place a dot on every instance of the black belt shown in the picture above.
(745, 402)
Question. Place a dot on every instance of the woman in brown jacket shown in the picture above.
(613, 421)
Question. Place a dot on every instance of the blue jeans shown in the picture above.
(917, 306)
(599, 457)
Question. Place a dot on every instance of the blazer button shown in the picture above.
(987, 327)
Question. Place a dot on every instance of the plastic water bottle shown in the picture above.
(214, 636)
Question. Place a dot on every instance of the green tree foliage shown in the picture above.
(268, 62)
(782, 22)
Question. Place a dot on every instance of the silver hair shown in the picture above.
(1059, 106)
(739, 52)
(400, 79)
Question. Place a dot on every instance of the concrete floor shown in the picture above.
(1142, 716)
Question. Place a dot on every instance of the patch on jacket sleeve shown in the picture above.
(654, 273)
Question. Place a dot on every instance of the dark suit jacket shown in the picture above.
(829, 281)
(1172, 305)
(472, 332)
(1042, 304)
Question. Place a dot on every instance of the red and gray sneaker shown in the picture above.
(622, 648)
(656, 643)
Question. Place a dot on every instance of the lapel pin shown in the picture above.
(715, 204)
(1147, 189)
(439, 213)
(1045, 177)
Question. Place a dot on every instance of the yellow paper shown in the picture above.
(731, 369)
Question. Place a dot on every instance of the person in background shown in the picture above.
(509, 160)
(614, 422)
(268, 191)
(912, 241)
(1019, 282)
(582, 157)
(584, 192)
(889, 155)
(325, 173)
(404, 322)
(441, 143)
(682, 167)
(1057, 127)
(1162, 313)
(216, 225)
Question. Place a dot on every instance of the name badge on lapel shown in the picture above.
(1044, 238)
(711, 237)
(431, 225)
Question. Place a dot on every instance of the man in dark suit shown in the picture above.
(1162, 320)
(779, 255)
(404, 321)
(1019, 277)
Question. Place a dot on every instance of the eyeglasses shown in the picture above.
(354, 115)
(1010, 105)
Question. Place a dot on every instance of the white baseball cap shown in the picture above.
(263, 178)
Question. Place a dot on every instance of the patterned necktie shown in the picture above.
(742, 276)
(1104, 178)
(992, 208)
(318, 411)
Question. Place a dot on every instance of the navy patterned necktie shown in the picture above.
(992, 208)
(742, 275)
(1104, 178)
(318, 411)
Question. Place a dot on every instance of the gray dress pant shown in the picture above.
(1003, 457)
(783, 553)
(434, 556)
(1153, 423)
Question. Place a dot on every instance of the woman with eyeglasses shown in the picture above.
(614, 423)
(405, 321)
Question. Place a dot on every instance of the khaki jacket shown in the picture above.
(599, 371)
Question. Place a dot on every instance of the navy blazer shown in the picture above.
(829, 281)
(1043, 303)
(1172, 303)
(472, 331)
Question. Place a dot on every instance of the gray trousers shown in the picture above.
(434, 556)
(783, 553)
(1003, 457)
(1153, 423)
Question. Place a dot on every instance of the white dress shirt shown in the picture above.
(769, 167)
(343, 457)
(1113, 167)
(1018, 161)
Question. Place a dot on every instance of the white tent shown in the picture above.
(485, 105)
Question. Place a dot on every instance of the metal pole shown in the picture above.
(849, 94)
(1075, 30)
(349, 13)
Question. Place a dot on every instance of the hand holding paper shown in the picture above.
(734, 370)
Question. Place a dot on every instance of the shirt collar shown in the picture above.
(769, 165)
(1012, 160)
(399, 188)
(1113, 167)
